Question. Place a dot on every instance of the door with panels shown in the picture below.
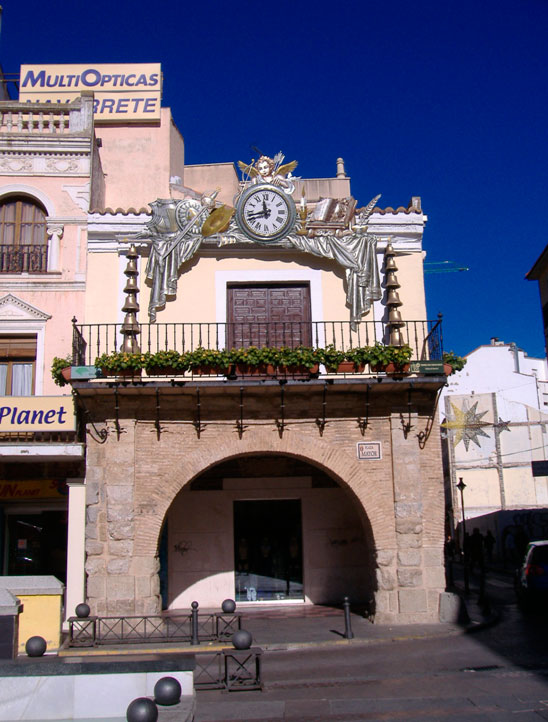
(274, 314)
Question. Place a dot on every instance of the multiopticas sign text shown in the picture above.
(37, 413)
(121, 92)
(90, 78)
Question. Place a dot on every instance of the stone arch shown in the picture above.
(347, 471)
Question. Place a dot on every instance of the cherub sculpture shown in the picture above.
(270, 170)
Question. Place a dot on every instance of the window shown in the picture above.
(271, 314)
(17, 365)
(23, 236)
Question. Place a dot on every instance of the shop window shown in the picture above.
(268, 559)
(17, 365)
(23, 236)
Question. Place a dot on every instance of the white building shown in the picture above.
(493, 421)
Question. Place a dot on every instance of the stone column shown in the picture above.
(409, 520)
(119, 583)
(75, 593)
(55, 233)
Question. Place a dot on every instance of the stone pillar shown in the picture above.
(412, 602)
(75, 593)
(55, 233)
(119, 584)
(386, 594)
(341, 173)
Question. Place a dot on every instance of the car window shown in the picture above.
(540, 555)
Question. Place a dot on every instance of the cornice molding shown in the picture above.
(33, 284)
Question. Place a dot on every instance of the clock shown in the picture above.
(265, 213)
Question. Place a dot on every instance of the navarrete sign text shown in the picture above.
(37, 413)
(122, 93)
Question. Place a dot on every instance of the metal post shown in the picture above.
(481, 595)
(451, 579)
(461, 486)
(348, 633)
(194, 623)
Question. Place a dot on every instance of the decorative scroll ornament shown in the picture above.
(338, 232)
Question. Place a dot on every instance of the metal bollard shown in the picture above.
(348, 633)
(481, 595)
(194, 623)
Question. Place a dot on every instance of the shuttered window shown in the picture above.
(269, 315)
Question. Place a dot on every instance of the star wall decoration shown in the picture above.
(501, 426)
(467, 425)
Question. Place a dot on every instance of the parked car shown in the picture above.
(532, 576)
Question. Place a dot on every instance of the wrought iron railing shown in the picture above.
(94, 631)
(21, 259)
(92, 340)
(230, 669)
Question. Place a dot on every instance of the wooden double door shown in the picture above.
(269, 315)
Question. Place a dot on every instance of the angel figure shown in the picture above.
(270, 170)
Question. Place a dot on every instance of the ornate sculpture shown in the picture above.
(175, 236)
(334, 230)
(270, 170)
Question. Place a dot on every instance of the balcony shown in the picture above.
(24, 259)
(40, 119)
(90, 341)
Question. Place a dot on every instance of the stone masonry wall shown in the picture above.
(132, 480)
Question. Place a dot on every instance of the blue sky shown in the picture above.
(445, 100)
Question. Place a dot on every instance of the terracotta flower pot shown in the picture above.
(299, 371)
(378, 368)
(254, 370)
(207, 371)
(348, 367)
(164, 371)
(395, 370)
(122, 373)
(66, 373)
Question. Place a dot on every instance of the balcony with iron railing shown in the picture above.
(92, 341)
(23, 259)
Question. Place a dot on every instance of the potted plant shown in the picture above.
(120, 363)
(60, 369)
(358, 357)
(165, 363)
(399, 359)
(205, 361)
(334, 360)
(253, 360)
(298, 360)
(452, 362)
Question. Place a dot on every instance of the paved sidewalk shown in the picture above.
(294, 626)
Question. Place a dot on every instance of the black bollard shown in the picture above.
(466, 575)
(194, 623)
(348, 633)
(450, 575)
(481, 595)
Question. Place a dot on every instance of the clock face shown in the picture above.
(265, 213)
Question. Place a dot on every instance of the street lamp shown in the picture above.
(461, 486)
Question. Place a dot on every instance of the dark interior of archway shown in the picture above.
(257, 466)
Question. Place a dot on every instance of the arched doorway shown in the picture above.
(268, 529)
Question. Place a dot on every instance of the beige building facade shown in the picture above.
(272, 485)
